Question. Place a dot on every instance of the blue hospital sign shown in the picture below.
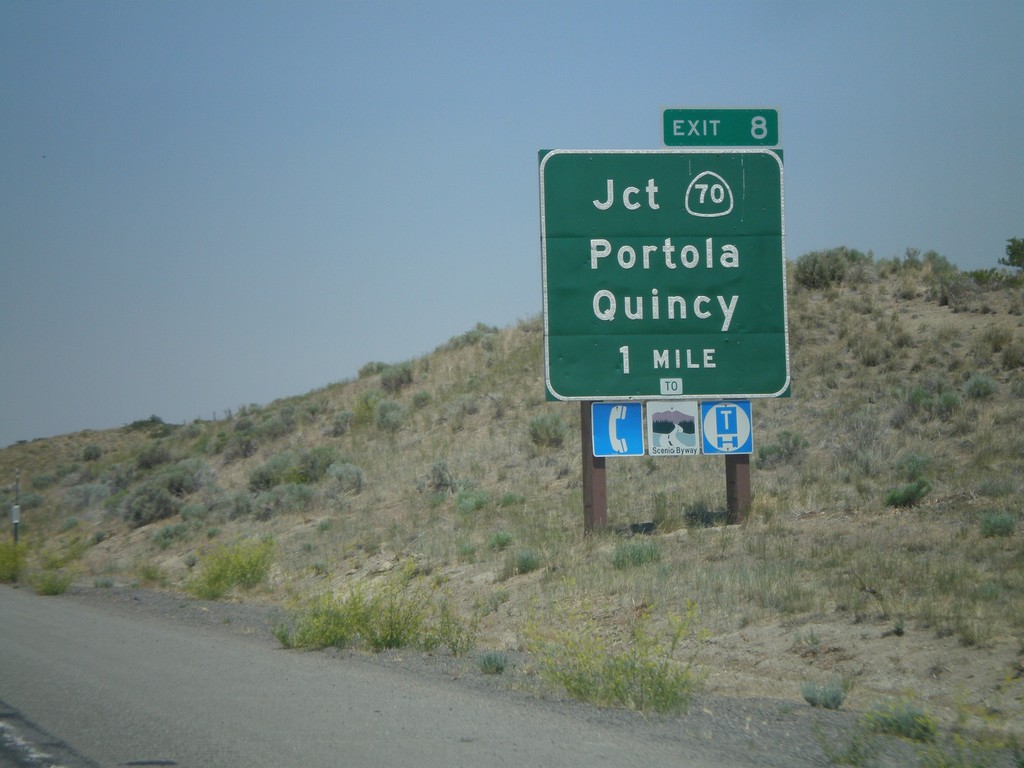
(618, 429)
(727, 427)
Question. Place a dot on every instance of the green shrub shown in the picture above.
(348, 477)
(394, 377)
(49, 582)
(901, 718)
(85, 496)
(445, 627)
(821, 268)
(91, 453)
(149, 503)
(471, 500)
(153, 455)
(521, 562)
(630, 554)
(643, 676)
(1013, 355)
(492, 662)
(499, 541)
(914, 466)
(169, 534)
(272, 472)
(366, 405)
(324, 623)
(284, 499)
(396, 616)
(313, 465)
(42, 482)
(342, 421)
(547, 430)
(947, 404)
(908, 495)
(997, 524)
(441, 478)
(245, 565)
(185, 477)
(389, 416)
(12, 561)
(980, 387)
(371, 368)
(279, 423)
(828, 696)
(788, 449)
(481, 334)
(31, 501)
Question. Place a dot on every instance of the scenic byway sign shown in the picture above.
(663, 274)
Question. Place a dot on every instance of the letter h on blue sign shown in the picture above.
(727, 427)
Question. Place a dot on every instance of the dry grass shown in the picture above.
(879, 399)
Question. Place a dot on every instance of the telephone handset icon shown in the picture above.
(616, 416)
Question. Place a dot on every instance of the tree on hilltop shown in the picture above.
(1014, 253)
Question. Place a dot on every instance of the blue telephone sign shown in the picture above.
(618, 429)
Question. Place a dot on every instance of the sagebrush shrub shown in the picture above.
(787, 449)
(820, 269)
(389, 416)
(394, 377)
(151, 456)
(980, 387)
(997, 524)
(547, 430)
(348, 477)
(148, 503)
(828, 696)
(493, 662)
(471, 500)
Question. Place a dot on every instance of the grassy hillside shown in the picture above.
(884, 547)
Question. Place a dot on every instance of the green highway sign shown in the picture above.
(663, 274)
(721, 127)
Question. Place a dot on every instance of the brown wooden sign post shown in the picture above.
(595, 489)
(737, 486)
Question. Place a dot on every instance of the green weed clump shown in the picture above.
(997, 524)
(245, 565)
(12, 561)
(518, 563)
(631, 554)
(547, 430)
(51, 582)
(643, 676)
(471, 500)
(396, 616)
(493, 662)
(788, 449)
(901, 718)
(908, 495)
(499, 541)
(828, 696)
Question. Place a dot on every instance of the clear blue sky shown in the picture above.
(210, 203)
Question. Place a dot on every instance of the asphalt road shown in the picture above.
(96, 688)
(158, 680)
